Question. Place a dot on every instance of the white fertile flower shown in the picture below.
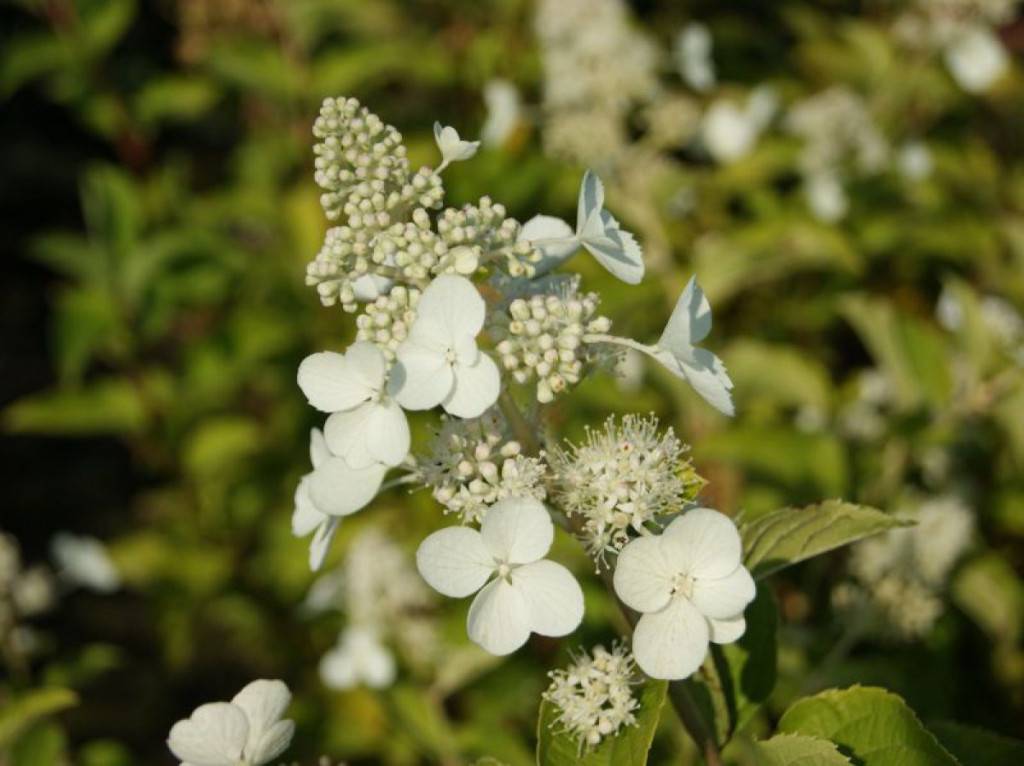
(596, 230)
(976, 59)
(367, 426)
(84, 561)
(248, 731)
(689, 324)
(359, 658)
(520, 591)
(690, 586)
(452, 148)
(693, 57)
(503, 112)
(330, 491)
(440, 363)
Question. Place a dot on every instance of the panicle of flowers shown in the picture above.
(900, 576)
(594, 695)
(540, 337)
(474, 463)
(621, 479)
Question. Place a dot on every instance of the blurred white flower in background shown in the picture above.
(915, 160)
(976, 59)
(730, 130)
(84, 561)
(692, 52)
(826, 197)
(690, 587)
(519, 590)
(248, 731)
(358, 658)
(504, 112)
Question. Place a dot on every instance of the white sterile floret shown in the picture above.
(84, 561)
(519, 590)
(248, 731)
(439, 363)
(620, 479)
(452, 148)
(689, 324)
(597, 231)
(474, 463)
(330, 491)
(976, 59)
(358, 658)
(594, 695)
(690, 586)
(366, 426)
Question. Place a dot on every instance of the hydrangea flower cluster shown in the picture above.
(594, 694)
(459, 311)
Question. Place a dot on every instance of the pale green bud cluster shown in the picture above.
(482, 233)
(474, 463)
(594, 695)
(386, 320)
(341, 261)
(540, 338)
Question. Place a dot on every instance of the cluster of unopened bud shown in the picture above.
(342, 260)
(541, 337)
(482, 233)
(473, 464)
(386, 320)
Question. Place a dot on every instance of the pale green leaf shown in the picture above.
(872, 725)
(111, 406)
(798, 750)
(784, 537)
(627, 748)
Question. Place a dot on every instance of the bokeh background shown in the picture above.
(845, 178)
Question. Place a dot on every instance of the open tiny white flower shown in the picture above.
(596, 230)
(690, 587)
(330, 491)
(689, 324)
(367, 426)
(519, 590)
(248, 731)
(976, 59)
(358, 658)
(84, 561)
(451, 146)
(439, 363)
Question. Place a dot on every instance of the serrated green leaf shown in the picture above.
(627, 748)
(977, 747)
(871, 725)
(25, 710)
(798, 750)
(789, 535)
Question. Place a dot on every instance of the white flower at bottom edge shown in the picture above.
(439, 363)
(359, 657)
(330, 491)
(690, 587)
(519, 590)
(248, 730)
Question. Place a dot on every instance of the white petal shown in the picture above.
(263, 703)
(338, 669)
(454, 304)
(706, 375)
(340, 490)
(517, 530)
(422, 378)
(274, 742)
(724, 597)
(318, 451)
(369, 287)
(671, 644)
(306, 517)
(215, 735)
(388, 438)
(476, 388)
(704, 542)
(498, 619)
(590, 202)
(321, 541)
(347, 433)
(547, 227)
(454, 561)
(727, 631)
(643, 575)
(553, 597)
(690, 322)
(619, 253)
(328, 383)
(378, 667)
